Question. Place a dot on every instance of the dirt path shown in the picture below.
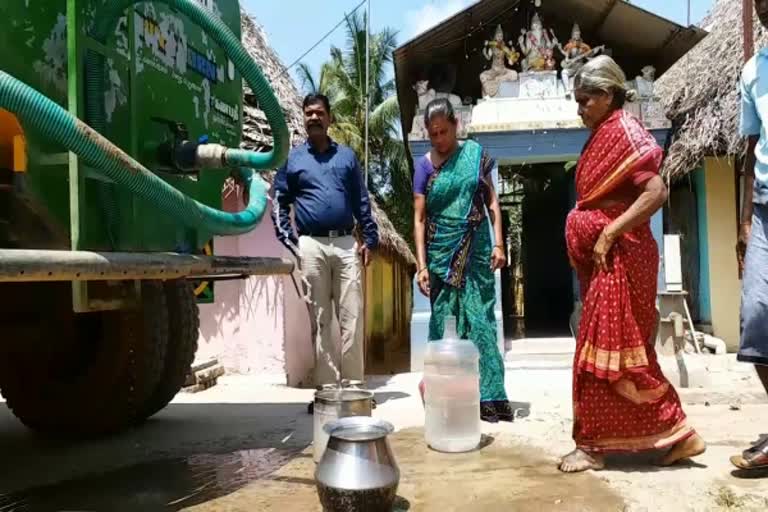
(223, 448)
(497, 478)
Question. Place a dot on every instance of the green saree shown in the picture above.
(459, 259)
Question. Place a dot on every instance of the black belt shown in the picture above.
(331, 233)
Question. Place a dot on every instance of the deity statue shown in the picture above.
(549, 59)
(497, 51)
(426, 95)
(535, 44)
(644, 83)
(576, 54)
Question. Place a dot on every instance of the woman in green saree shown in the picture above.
(454, 197)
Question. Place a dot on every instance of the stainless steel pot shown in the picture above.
(358, 472)
(332, 404)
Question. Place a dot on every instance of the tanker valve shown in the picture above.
(180, 153)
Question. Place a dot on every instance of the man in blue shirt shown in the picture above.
(753, 233)
(322, 182)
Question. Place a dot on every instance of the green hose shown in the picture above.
(57, 124)
(107, 17)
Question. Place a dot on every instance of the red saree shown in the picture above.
(622, 401)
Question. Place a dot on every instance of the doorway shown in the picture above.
(538, 286)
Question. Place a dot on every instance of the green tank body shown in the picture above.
(162, 74)
(120, 121)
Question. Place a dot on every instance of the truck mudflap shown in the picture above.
(22, 265)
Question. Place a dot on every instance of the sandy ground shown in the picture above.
(244, 445)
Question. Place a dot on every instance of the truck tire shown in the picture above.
(113, 365)
(183, 332)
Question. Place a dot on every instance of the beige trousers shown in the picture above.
(332, 267)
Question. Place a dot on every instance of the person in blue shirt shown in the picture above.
(752, 246)
(323, 184)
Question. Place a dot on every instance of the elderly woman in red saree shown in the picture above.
(622, 402)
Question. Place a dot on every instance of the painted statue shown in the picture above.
(644, 82)
(426, 94)
(576, 53)
(499, 53)
(535, 45)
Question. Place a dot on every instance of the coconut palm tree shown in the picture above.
(342, 79)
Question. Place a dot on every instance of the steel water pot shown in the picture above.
(358, 471)
(333, 404)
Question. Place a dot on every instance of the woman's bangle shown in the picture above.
(422, 269)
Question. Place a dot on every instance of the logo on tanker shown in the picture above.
(230, 111)
(169, 43)
(203, 65)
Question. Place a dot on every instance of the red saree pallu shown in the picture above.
(622, 401)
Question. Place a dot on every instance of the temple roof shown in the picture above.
(635, 37)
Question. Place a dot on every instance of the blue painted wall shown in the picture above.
(705, 301)
(531, 146)
(657, 228)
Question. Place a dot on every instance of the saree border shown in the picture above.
(612, 360)
(659, 441)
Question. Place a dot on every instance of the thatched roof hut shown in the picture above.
(257, 134)
(701, 94)
(390, 239)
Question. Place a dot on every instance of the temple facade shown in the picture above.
(508, 69)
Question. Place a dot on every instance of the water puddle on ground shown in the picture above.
(173, 484)
(501, 476)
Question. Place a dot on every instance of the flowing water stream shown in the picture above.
(314, 311)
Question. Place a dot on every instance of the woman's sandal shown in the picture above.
(488, 412)
(755, 458)
(504, 410)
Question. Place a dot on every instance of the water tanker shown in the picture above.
(120, 122)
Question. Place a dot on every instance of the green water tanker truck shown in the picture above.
(120, 122)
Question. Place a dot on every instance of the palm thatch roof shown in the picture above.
(700, 92)
(390, 240)
(257, 134)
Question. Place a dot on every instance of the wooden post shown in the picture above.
(747, 22)
(749, 34)
(749, 49)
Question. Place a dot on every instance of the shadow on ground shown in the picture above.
(198, 453)
(646, 462)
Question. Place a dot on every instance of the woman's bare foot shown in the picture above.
(685, 449)
(579, 460)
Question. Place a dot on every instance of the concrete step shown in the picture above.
(540, 353)
(540, 346)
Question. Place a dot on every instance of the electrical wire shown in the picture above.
(326, 36)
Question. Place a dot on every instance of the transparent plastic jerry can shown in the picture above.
(452, 392)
